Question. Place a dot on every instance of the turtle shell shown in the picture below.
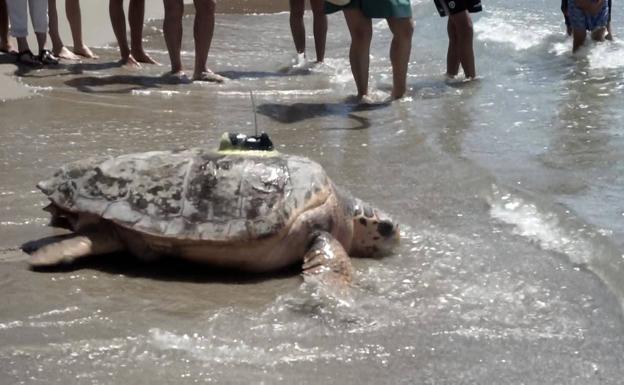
(193, 194)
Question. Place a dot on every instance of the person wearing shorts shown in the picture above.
(564, 9)
(588, 15)
(460, 33)
(359, 15)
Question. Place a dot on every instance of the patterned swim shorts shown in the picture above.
(586, 21)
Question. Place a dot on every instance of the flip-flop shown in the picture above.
(28, 59)
(209, 76)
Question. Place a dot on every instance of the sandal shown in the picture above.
(28, 59)
(47, 57)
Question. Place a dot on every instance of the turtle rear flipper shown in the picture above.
(78, 246)
(327, 262)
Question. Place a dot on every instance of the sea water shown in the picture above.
(509, 190)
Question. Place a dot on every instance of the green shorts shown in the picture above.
(376, 8)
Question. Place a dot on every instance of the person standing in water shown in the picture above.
(134, 53)
(564, 9)
(359, 15)
(297, 27)
(203, 30)
(460, 33)
(588, 15)
(72, 10)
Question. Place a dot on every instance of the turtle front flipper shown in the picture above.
(78, 246)
(328, 262)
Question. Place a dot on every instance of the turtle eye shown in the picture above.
(385, 228)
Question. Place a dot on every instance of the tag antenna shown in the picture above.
(253, 105)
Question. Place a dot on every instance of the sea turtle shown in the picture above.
(244, 209)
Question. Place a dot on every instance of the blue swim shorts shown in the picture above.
(451, 7)
(586, 21)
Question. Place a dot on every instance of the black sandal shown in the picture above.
(28, 59)
(46, 57)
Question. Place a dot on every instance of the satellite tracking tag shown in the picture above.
(242, 142)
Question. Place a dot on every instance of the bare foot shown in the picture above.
(64, 53)
(359, 100)
(143, 57)
(6, 47)
(396, 95)
(84, 51)
(208, 76)
(129, 62)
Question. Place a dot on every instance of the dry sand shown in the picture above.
(97, 31)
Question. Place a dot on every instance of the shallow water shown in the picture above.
(509, 190)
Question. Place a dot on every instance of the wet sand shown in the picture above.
(97, 31)
(497, 280)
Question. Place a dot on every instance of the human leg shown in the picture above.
(39, 16)
(18, 17)
(578, 38)
(462, 24)
(5, 45)
(172, 29)
(136, 16)
(580, 22)
(452, 55)
(402, 30)
(57, 43)
(320, 28)
(609, 33)
(74, 16)
(297, 26)
(599, 34)
(361, 31)
(203, 29)
(118, 22)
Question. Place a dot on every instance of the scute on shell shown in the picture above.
(194, 194)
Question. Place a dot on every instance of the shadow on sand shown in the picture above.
(293, 113)
(92, 84)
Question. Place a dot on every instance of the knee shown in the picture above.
(362, 34)
(174, 9)
(462, 24)
(599, 34)
(405, 31)
(205, 7)
(318, 8)
(296, 10)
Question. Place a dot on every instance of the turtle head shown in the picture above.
(374, 232)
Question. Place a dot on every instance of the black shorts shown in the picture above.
(451, 7)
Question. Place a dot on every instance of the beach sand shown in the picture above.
(97, 30)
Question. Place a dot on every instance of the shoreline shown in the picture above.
(97, 31)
